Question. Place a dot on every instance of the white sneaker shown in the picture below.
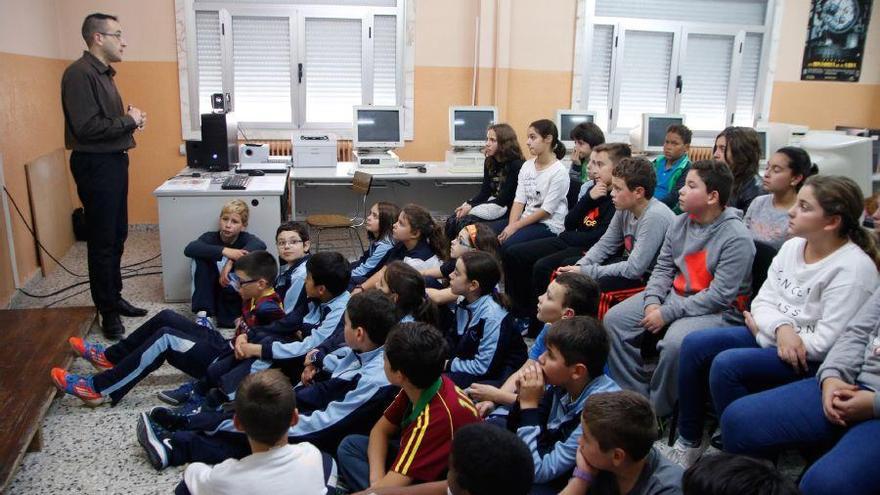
(680, 453)
(204, 320)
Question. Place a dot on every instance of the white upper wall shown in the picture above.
(29, 28)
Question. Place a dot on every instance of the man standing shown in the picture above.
(100, 131)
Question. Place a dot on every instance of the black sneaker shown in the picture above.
(168, 418)
(215, 399)
(155, 440)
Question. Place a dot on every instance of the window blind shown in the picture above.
(208, 58)
(332, 69)
(600, 73)
(644, 78)
(261, 68)
(713, 11)
(706, 78)
(747, 87)
(384, 60)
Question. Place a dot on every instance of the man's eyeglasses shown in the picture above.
(115, 35)
(237, 283)
(289, 243)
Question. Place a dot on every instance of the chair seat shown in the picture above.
(328, 221)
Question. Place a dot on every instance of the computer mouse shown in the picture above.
(257, 173)
(422, 169)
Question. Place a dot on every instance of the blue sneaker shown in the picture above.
(155, 440)
(179, 395)
(204, 320)
(191, 406)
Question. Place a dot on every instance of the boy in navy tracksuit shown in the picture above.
(213, 256)
(551, 397)
(346, 392)
(187, 346)
(486, 345)
(321, 328)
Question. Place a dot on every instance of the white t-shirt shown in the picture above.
(295, 468)
(545, 190)
(817, 299)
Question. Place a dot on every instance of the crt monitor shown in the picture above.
(764, 142)
(378, 127)
(654, 127)
(839, 154)
(566, 120)
(467, 125)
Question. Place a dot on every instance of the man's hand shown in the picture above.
(830, 388)
(599, 190)
(224, 275)
(234, 254)
(249, 351)
(653, 320)
(790, 348)
(310, 356)
(139, 116)
(569, 268)
(239, 341)
(531, 386)
(584, 464)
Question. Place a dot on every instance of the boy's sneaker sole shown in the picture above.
(170, 399)
(156, 450)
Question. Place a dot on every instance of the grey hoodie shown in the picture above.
(708, 266)
(855, 356)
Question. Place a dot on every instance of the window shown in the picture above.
(294, 64)
(700, 58)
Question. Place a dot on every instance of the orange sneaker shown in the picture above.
(93, 353)
(78, 386)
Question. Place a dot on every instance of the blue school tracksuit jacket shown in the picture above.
(551, 431)
(373, 259)
(485, 344)
(350, 398)
(322, 326)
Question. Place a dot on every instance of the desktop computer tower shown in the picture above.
(219, 148)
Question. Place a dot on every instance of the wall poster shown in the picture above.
(836, 40)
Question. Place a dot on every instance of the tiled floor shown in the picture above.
(95, 450)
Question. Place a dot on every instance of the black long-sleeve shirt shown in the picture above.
(503, 190)
(209, 246)
(94, 118)
(588, 220)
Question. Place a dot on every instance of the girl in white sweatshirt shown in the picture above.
(816, 283)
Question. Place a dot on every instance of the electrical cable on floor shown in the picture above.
(87, 288)
(129, 273)
(128, 268)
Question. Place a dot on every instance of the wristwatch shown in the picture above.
(582, 475)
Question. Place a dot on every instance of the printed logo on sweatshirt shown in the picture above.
(590, 219)
(628, 242)
(698, 275)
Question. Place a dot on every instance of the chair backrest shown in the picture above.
(764, 254)
(574, 187)
(361, 183)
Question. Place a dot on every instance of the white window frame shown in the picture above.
(297, 15)
(680, 29)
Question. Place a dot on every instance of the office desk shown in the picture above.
(186, 214)
(327, 190)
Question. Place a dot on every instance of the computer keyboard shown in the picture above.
(236, 182)
(380, 170)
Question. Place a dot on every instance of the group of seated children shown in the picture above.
(407, 370)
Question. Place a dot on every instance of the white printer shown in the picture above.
(313, 149)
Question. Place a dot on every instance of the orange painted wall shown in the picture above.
(30, 125)
(822, 105)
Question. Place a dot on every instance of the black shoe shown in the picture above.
(215, 399)
(125, 308)
(111, 326)
(155, 440)
(167, 418)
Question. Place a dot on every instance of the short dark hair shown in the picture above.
(717, 177)
(331, 270)
(417, 350)
(94, 23)
(729, 474)
(264, 404)
(621, 420)
(297, 227)
(374, 311)
(682, 131)
(587, 132)
(637, 172)
(488, 459)
(616, 151)
(581, 339)
(581, 293)
(259, 265)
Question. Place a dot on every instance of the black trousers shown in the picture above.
(102, 186)
(528, 267)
